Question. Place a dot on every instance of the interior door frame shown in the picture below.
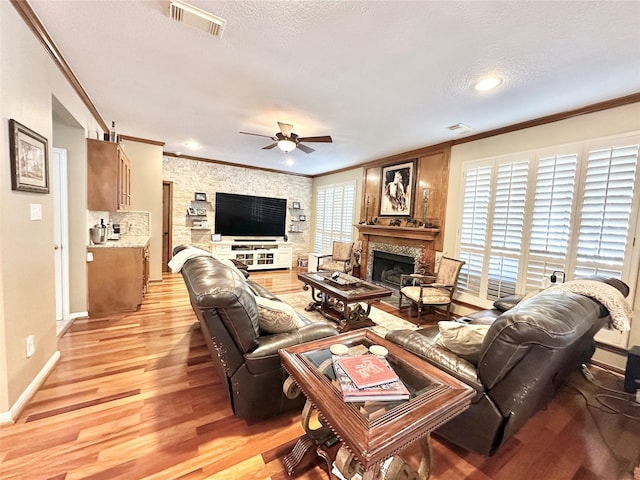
(61, 233)
(167, 223)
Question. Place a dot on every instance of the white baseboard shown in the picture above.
(30, 391)
(73, 316)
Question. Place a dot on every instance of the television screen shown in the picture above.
(250, 216)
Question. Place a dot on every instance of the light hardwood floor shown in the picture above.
(136, 397)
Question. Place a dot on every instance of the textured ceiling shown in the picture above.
(381, 77)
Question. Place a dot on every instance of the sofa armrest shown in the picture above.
(422, 343)
(262, 357)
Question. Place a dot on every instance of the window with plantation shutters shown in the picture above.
(506, 228)
(334, 215)
(551, 218)
(473, 230)
(605, 210)
(572, 210)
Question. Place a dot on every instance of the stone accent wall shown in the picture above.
(190, 176)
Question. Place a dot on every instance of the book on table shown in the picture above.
(367, 370)
(389, 391)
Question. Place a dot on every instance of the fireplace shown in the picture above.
(388, 267)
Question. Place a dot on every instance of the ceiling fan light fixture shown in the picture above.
(286, 145)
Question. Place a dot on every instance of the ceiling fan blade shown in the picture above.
(258, 135)
(305, 149)
(269, 147)
(325, 139)
(285, 128)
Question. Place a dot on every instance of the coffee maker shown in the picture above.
(114, 231)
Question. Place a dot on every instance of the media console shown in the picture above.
(256, 254)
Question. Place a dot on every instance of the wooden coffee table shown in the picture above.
(342, 303)
(363, 436)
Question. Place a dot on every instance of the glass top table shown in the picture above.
(373, 432)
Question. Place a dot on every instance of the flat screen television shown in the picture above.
(249, 216)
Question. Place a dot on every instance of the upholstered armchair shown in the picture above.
(342, 258)
(422, 293)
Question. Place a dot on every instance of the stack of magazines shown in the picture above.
(365, 378)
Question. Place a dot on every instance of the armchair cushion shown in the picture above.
(277, 317)
(430, 295)
(465, 340)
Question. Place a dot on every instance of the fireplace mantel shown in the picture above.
(405, 236)
(414, 233)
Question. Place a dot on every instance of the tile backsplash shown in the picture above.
(131, 223)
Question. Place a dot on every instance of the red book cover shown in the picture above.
(367, 370)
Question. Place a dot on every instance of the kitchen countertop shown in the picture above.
(126, 241)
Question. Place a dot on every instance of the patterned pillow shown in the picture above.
(277, 317)
(465, 340)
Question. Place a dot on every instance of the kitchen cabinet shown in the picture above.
(118, 279)
(108, 177)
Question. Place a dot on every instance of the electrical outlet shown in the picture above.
(31, 345)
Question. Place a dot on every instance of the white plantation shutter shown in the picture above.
(507, 228)
(551, 218)
(605, 211)
(473, 229)
(334, 215)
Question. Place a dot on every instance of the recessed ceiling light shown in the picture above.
(488, 83)
(192, 145)
(289, 161)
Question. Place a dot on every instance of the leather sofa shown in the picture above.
(246, 358)
(527, 352)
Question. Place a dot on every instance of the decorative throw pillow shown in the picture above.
(465, 340)
(277, 317)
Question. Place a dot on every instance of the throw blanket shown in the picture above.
(609, 296)
(178, 260)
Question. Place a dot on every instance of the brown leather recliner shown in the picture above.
(246, 358)
(527, 353)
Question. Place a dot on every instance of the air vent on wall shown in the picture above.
(460, 128)
(195, 17)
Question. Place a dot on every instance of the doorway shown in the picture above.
(167, 208)
(61, 236)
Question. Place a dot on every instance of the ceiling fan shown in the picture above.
(288, 141)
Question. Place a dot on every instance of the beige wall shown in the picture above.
(28, 79)
(190, 176)
(146, 195)
(616, 121)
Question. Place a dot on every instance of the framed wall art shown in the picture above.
(200, 197)
(29, 159)
(397, 185)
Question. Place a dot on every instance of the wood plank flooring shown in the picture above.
(135, 396)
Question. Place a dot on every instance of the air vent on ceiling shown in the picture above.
(460, 128)
(195, 17)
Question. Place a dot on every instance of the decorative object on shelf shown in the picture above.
(113, 136)
(296, 205)
(191, 211)
(396, 189)
(29, 159)
(425, 208)
(368, 200)
(302, 218)
(201, 211)
(200, 197)
(216, 237)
